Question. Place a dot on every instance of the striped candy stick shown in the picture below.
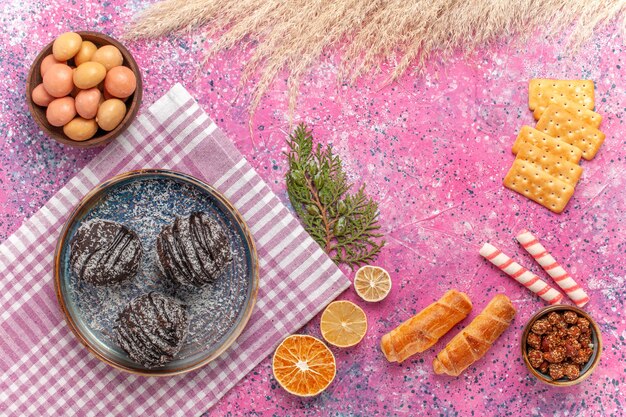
(553, 268)
(520, 274)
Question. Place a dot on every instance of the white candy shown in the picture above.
(553, 268)
(520, 274)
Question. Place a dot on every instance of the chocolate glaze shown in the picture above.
(152, 329)
(193, 250)
(104, 252)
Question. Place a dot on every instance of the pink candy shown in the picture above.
(520, 274)
(553, 268)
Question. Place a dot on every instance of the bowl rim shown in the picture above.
(85, 203)
(597, 351)
(132, 106)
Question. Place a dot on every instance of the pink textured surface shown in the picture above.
(433, 150)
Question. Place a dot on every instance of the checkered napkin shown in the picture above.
(45, 370)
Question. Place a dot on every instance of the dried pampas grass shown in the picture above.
(291, 35)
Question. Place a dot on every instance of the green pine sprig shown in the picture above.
(345, 225)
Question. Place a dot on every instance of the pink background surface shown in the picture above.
(433, 150)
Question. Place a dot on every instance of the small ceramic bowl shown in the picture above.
(101, 137)
(596, 339)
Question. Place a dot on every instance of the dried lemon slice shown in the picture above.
(343, 324)
(303, 365)
(372, 283)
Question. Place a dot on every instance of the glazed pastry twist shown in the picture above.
(472, 343)
(425, 328)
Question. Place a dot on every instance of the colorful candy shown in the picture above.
(91, 95)
(520, 274)
(553, 268)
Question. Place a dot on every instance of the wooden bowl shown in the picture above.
(589, 366)
(101, 137)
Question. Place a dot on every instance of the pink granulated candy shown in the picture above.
(520, 274)
(553, 268)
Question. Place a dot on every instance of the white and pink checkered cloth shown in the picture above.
(46, 371)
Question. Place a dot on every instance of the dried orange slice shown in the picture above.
(303, 365)
(343, 324)
(372, 283)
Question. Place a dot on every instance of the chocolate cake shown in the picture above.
(193, 250)
(152, 329)
(104, 252)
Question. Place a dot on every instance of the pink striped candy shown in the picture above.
(520, 274)
(553, 268)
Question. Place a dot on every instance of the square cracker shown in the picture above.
(543, 92)
(588, 116)
(549, 144)
(561, 124)
(562, 169)
(534, 183)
